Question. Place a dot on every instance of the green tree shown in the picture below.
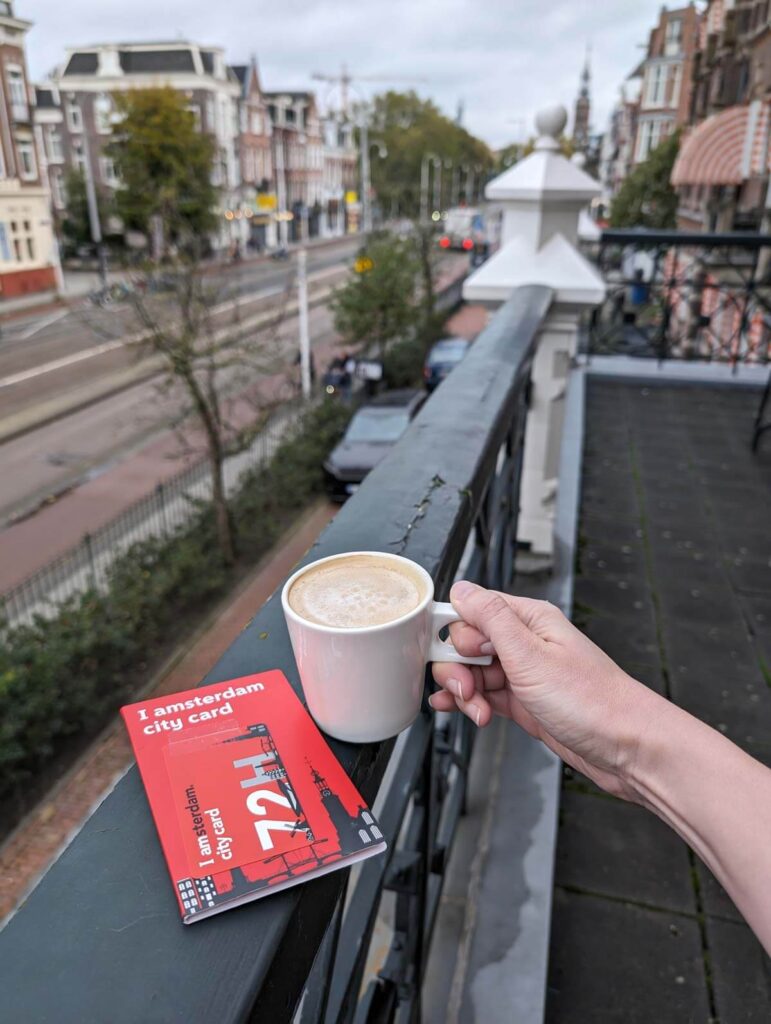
(412, 129)
(646, 199)
(165, 165)
(76, 227)
(379, 303)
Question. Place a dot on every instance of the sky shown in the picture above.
(503, 59)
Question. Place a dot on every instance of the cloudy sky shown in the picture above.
(503, 58)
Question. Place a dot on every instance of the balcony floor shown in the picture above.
(674, 582)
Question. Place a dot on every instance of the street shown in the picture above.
(49, 359)
(70, 476)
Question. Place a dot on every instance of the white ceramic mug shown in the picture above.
(365, 683)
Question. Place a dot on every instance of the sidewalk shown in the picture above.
(39, 839)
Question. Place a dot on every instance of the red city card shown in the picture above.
(247, 797)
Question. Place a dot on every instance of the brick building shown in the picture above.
(28, 253)
(255, 156)
(298, 161)
(665, 96)
(721, 173)
(341, 173)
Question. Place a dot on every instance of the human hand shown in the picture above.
(551, 680)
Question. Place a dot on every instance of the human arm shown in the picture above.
(561, 688)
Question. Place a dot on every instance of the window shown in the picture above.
(17, 250)
(103, 113)
(27, 168)
(677, 75)
(290, 115)
(195, 110)
(18, 93)
(30, 249)
(57, 192)
(55, 151)
(673, 37)
(107, 167)
(5, 249)
(79, 157)
(656, 85)
(74, 117)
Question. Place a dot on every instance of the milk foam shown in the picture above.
(354, 593)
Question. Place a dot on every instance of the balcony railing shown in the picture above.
(100, 939)
(675, 294)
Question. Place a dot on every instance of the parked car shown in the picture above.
(373, 431)
(443, 357)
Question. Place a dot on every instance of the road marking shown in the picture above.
(110, 346)
(45, 322)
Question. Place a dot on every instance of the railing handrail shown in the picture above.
(100, 937)
(707, 240)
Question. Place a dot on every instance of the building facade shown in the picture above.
(722, 170)
(298, 161)
(666, 71)
(617, 149)
(341, 174)
(255, 155)
(28, 253)
(89, 78)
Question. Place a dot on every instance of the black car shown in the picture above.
(372, 432)
(443, 357)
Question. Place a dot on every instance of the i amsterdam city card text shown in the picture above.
(246, 795)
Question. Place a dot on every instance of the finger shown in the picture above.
(477, 709)
(468, 641)
(456, 679)
(442, 701)
(493, 616)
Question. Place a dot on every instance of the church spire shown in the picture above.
(583, 106)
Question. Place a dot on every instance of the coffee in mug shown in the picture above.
(356, 591)
(363, 625)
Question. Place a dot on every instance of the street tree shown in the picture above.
(646, 199)
(412, 129)
(228, 376)
(379, 303)
(165, 166)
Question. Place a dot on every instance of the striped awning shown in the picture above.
(726, 149)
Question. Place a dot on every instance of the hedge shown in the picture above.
(61, 678)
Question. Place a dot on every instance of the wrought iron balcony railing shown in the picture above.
(684, 295)
(99, 939)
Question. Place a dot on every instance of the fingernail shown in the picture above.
(487, 648)
(455, 686)
(431, 699)
(462, 589)
(478, 715)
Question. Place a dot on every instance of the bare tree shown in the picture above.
(230, 375)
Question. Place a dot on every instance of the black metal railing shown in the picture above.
(684, 295)
(99, 939)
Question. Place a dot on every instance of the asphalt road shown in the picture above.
(43, 355)
(89, 442)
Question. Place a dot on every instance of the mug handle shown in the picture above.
(442, 614)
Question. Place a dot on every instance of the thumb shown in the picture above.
(491, 614)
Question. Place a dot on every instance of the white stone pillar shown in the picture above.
(542, 197)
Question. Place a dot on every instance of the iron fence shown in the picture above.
(164, 511)
(447, 496)
(684, 295)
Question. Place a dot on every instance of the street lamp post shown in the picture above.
(437, 184)
(428, 158)
(281, 188)
(366, 181)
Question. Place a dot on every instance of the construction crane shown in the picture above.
(345, 79)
